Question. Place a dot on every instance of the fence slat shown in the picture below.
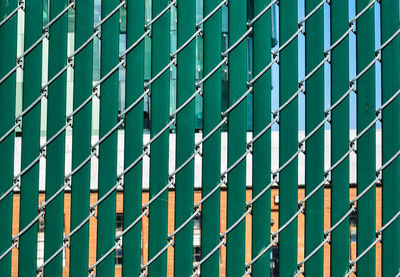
(135, 19)
(55, 159)
(236, 196)
(390, 138)
(160, 102)
(261, 216)
(8, 53)
(108, 149)
(30, 139)
(211, 162)
(184, 192)
(339, 138)
(27, 253)
(365, 40)
(288, 138)
(81, 138)
(314, 160)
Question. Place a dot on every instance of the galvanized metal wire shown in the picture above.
(170, 180)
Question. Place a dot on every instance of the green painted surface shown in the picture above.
(314, 160)
(30, 140)
(288, 138)
(261, 216)
(184, 193)
(390, 138)
(133, 139)
(236, 196)
(27, 253)
(55, 152)
(160, 102)
(160, 107)
(339, 138)
(81, 139)
(212, 41)
(8, 53)
(365, 157)
(108, 149)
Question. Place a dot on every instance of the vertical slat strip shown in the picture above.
(135, 19)
(108, 149)
(27, 258)
(81, 138)
(365, 41)
(160, 101)
(55, 159)
(390, 138)
(236, 197)
(184, 193)
(314, 160)
(261, 216)
(288, 138)
(211, 162)
(30, 139)
(339, 138)
(8, 53)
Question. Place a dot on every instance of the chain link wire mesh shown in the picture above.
(285, 57)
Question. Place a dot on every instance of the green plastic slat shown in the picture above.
(261, 216)
(55, 159)
(211, 165)
(288, 138)
(390, 138)
(160, 101)
(236, 198)
(81, 139)
(27, 253)
(314, 160)
(365, 41)
(133, 139)
(108, 149)
(184, 193)
(339, 138)
(8, 52)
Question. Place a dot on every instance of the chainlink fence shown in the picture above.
(199, 138)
